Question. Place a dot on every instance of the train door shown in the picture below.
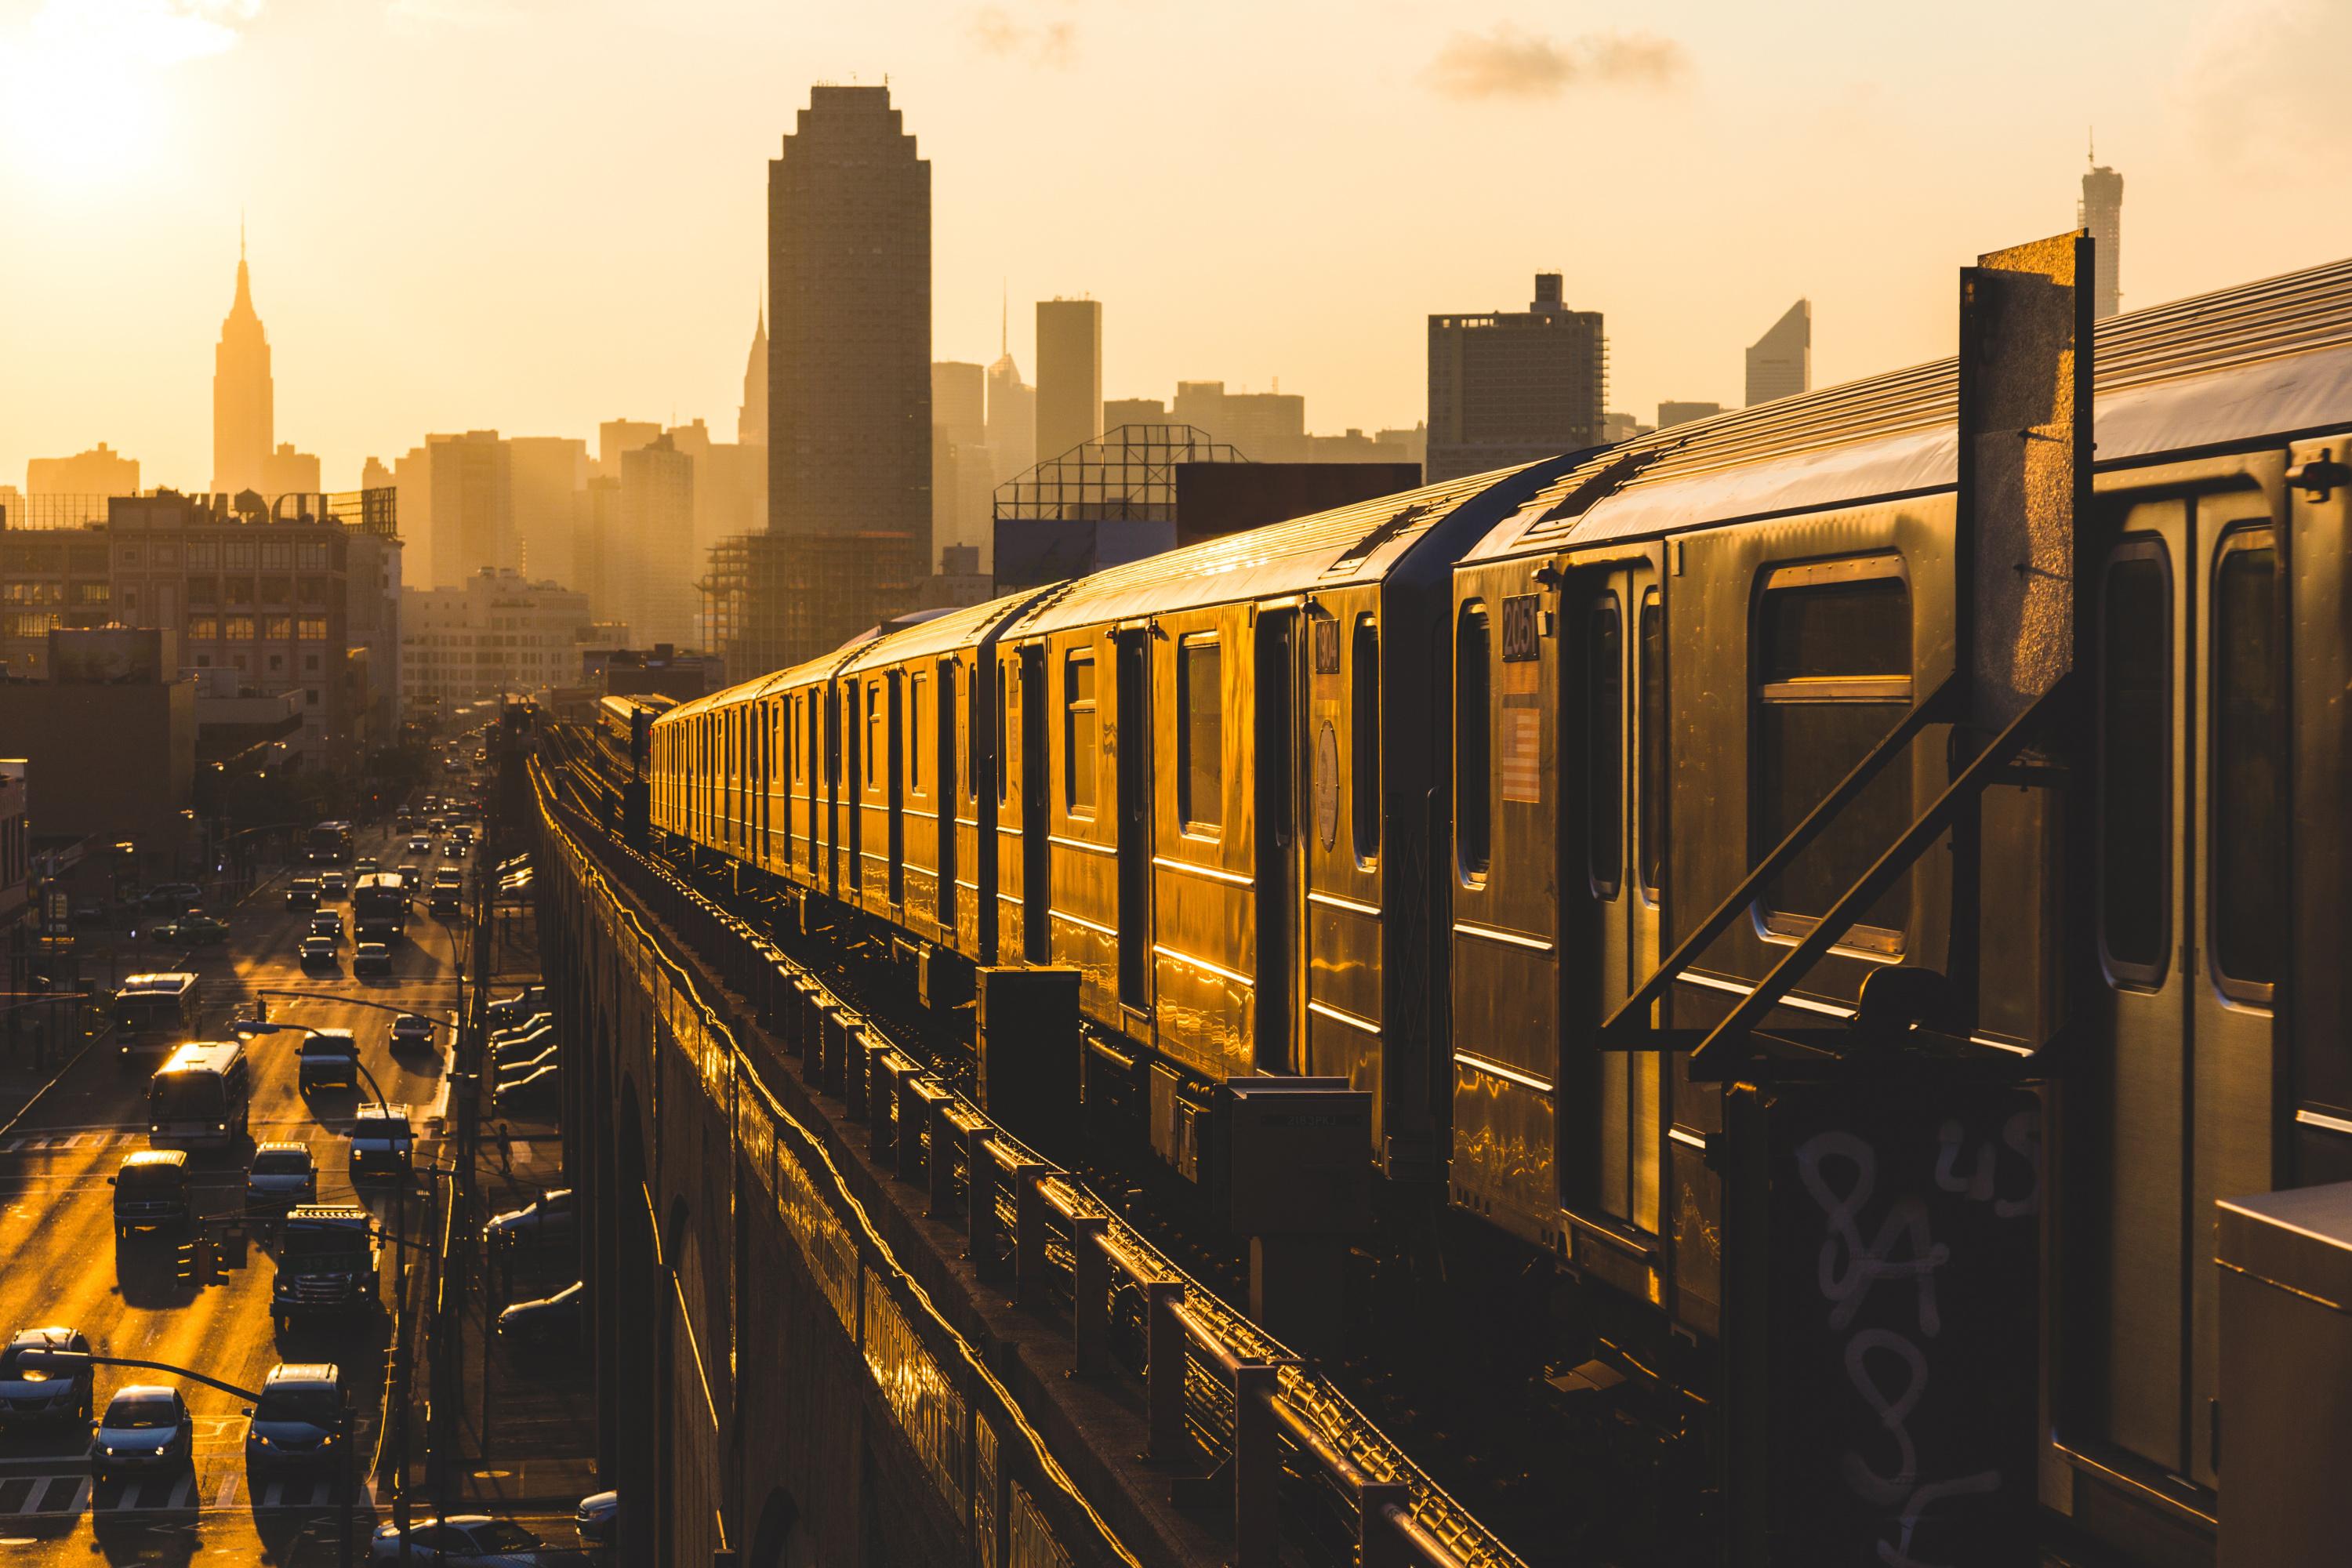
(1036, 801)
(1279, 881)
(1131, 756)
(2192, 923)
(1614, 847)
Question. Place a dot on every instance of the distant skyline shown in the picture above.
(459, 231)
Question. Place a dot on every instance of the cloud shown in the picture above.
(468, 15)
(994, 31)
(142, 32)
(2257, 101)
(1510, 62)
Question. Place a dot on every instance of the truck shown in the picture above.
(378, 906)
(329, 1259)
(449, 890)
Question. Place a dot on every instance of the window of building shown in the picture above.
(1200, 734)
(313, 628)
(310, 663)
(277, 664)
(277, 590)
(310, 696)
(1078, 736)
(1364, 739)
(2245, 912)
(90, 593)
(277, 629)
(238, 628)
(1834, 657)
(1473, 743)
(203, 628)
(203, 590)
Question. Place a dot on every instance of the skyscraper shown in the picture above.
(849, 367)
(1513, 386)
(2101, 211)
(1070, 375)
(1780, 362)
(1012, 414)
(751, 419)
(471, 480)
(244, 409)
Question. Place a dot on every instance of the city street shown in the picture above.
(137, 1298)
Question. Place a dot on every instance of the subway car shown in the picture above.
(1419, 791)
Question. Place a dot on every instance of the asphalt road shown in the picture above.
(64, 1266)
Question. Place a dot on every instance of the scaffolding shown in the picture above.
(1126, 475)
(773, 600)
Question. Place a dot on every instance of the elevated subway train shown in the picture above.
(1418, 793)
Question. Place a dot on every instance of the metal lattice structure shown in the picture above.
(1126, 475)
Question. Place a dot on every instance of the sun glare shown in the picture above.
(83, 83)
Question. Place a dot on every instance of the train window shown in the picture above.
(2248, 766)
(875, 738)
(1364, 737)
(1650, 725)
(1834, 654)
(1079, 745)
(1605, 747)
(2136, 767)
(1200, 734)
(915, 733)
(973, 733)
(1472, 747)
(1004, 758)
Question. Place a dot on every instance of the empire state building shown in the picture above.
(243, 402)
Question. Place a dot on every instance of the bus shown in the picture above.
(155, 1010)
(199, 1096)
(378, 906)
(330, 844)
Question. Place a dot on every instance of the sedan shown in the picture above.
(473, 1539)
(281, 1175)
(535, 1091)
(145, 1427)
(411, 1029)
(453, 849)
(372, 958)
(420, 844)
(549, 1220)
(599, 1518)
(327, 923)
(33, 1390)
(193, 927)
(513, 1072)
(553, 1322)
(320, 951)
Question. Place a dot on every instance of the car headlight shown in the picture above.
(327, 1440)
(258, 1439)
(109, 1453)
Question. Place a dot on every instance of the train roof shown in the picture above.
(944, 633)
(1362, 543)
(2270, 358)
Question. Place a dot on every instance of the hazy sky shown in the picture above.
(535, 215)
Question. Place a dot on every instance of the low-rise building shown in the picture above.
(495, 633)
(109, 739)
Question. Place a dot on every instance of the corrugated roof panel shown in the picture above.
(1894, 434)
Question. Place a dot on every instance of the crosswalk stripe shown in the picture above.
(56, 1495)
(227, 1493)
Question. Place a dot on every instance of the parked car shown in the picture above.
(320, 952)
(194, 929)
(302, 1419)
(281, 1175)
(371, 958)
(327, 1056)
(522, 1047)
(33, 1392)
(145, 1427)
(91, 911)
(474, 1539)
(510, 1010)
(171, 898)
(302, 893)
(550, 1323)
(381, 1142)
(554, 1219)
(151, 1191)
(599, 1518)
(509, 1074)
(535, 1092)
(411, 1029)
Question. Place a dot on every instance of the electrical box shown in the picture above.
(2286, 1425)
(1298, 1153)
(1027, 1026)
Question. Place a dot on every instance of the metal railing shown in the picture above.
(1291, 1454)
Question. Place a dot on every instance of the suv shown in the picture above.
(302, 1414)
(328, 1055)
(151, 1191)
(334, 884)
(302, 893)
(381, 1142)
(328, 1259)
(30, 1391)
(171, 898)
(327, 922)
